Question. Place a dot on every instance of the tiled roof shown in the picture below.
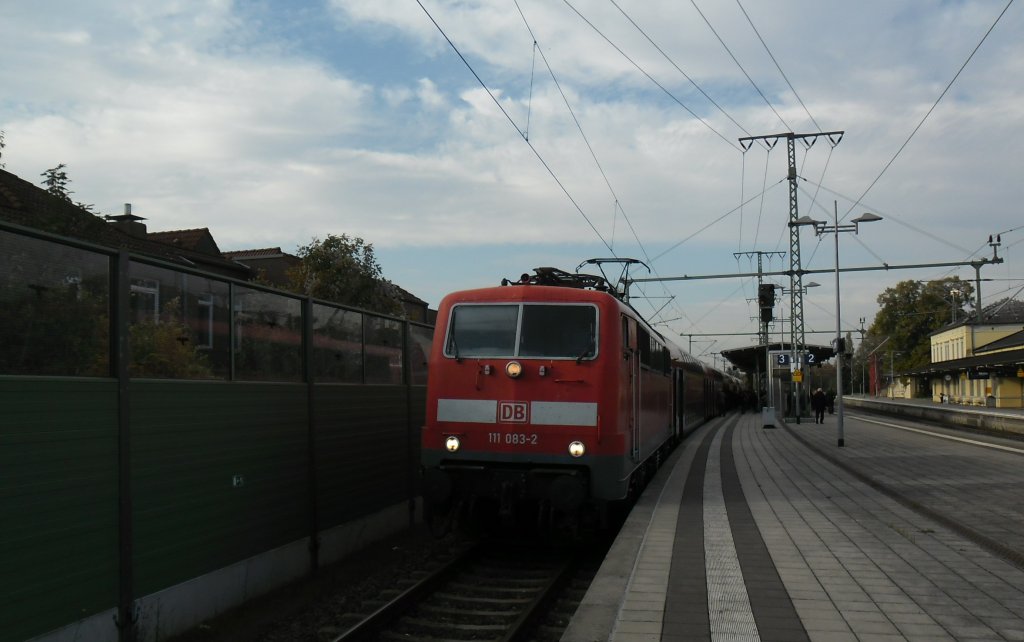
(264, 253)
(23, 203)
(1015, 340)
(198, 239)
(28, 205)
(1007, 359)
(1006, 311)
(407, 296)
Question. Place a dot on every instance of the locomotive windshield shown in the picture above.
(523, 330)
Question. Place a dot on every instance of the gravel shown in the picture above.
(315, 609)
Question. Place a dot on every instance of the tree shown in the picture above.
(165, 347)
(343, 269)
(912, 310)
(56, 181)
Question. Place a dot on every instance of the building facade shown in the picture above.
(978, 362)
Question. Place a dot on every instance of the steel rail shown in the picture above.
(388, 613)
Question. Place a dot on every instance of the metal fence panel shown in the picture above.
(361, 450)
(219, 473)
(208, 406)
(58, 502)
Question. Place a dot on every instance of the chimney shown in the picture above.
(128, 222)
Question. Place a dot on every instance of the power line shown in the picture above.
(729, 51)
(929, 113)
(518, 130)
(777, 66)
(649, 76)
(894, 218)
(717, 220)
(593, 155)
(525, 137)
(672, 62)
(760, 209)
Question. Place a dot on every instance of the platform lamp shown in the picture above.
(820, 228)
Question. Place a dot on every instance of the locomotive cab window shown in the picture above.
(528, 330)
(558, 331)
(482, 331)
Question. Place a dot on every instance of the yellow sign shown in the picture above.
(798, 375)
(1020, 372)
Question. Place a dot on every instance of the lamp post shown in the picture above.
(862, 391)
(822, 227)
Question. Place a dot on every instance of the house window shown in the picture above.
(204, 322)
(145, 300)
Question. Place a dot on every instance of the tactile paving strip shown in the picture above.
(728, 603)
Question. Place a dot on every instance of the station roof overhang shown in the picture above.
(753, 358)
(1008, 360)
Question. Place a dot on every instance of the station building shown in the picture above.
(974, 362)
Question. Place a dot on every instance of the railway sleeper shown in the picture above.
(484, 589)
(470, 599)
(447, 610)
(450, 627)
(525, 579)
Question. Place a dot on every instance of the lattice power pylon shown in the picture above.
(797, 340)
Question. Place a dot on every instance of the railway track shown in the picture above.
(499, 592)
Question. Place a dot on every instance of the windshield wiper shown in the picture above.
(588, 350)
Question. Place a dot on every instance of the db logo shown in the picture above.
(513, 412)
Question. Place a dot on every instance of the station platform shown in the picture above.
(1005, 420)
(907, 533)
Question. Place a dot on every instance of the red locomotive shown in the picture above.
(551, 399)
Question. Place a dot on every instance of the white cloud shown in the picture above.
(195, 115)
(396, 96)
(429, 94)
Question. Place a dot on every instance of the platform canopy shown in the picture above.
(752, 359)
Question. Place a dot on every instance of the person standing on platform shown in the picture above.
(818, 401)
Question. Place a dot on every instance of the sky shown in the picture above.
(473, 140)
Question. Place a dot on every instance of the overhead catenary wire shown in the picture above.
(526, 135)
(896, 219)
(743, 180)
(593, 154)
(525, 138)
(824, 170)
(760, 209)
(715, 221)
(735, 60)
(508, 116)
(649, 76)
(778, 66)
(678, 68)
(930, 110)
(1000, 293)
(529, 108)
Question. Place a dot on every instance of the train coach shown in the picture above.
(551, 400)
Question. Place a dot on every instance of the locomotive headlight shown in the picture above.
(576, 449)
(513, 369)
(452, 443)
